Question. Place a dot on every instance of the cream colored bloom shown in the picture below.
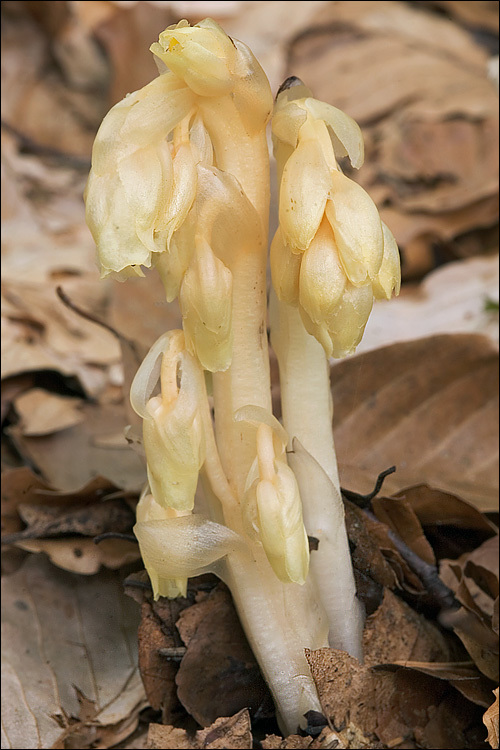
(149, 510)
(141, 185)
(206, 303)
(172, 430)
(331, 254)
(272, 503)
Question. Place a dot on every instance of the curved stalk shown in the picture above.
(307, 417)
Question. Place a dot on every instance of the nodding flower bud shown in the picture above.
(206, 305)
(172, 429)
(140, 187)
(149, 510)
(274, 509)
(331, 254)
(202, 55)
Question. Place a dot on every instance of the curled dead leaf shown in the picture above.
(490, 720)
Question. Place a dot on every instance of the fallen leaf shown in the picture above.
(326, 739)
(490, 720)
(43, 334)
(49, 104)
(398, 514)
(225, 732)
(55, 511)
(63, 634)
(451, 524)
(218, 673)
(427, 406)
(160, 645)
(396, 632)
(474, 579)
(366, 554)
(70, 458)
(464, 676)
(478, 15)
(401, 708)
(42, 412)
(82, 555)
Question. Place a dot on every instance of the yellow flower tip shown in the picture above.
(203, 56)
(388, 280)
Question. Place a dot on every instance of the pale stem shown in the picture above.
(306, 401)
(280, 620)
(307, 416)
(247, 381)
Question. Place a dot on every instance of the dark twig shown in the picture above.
(88, 316)
(363, 501)
(428, 574)
(114, 535)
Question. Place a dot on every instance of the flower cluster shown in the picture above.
(157, 190)
(331, 254)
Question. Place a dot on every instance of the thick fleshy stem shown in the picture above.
(307, 417)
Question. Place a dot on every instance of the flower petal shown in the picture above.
(184, 546)
(285, 270)
(388, 279)
(206, 306)
(322, 278)
(348, 139)
(305, 186)
(347, 323)
(356, 225)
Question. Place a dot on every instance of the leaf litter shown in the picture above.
(422, 549)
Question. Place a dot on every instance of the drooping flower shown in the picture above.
(331, 254)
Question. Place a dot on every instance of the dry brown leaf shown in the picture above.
(225, 732)
(396, 632)
(326, 739)
(401, 708)
(46, 521)
(54, 337)
(366, 554)
(82, 555)
(160, 646)
(464, 676)
(20, 487)
(480, 15)
(218, 673)
(427, 406)
(474, 580)
(490, 720)
(42, 412)
(71, 458)
(61, 97)
(64, 633)
(398, 514)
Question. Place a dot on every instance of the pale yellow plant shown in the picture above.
(180, 182)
